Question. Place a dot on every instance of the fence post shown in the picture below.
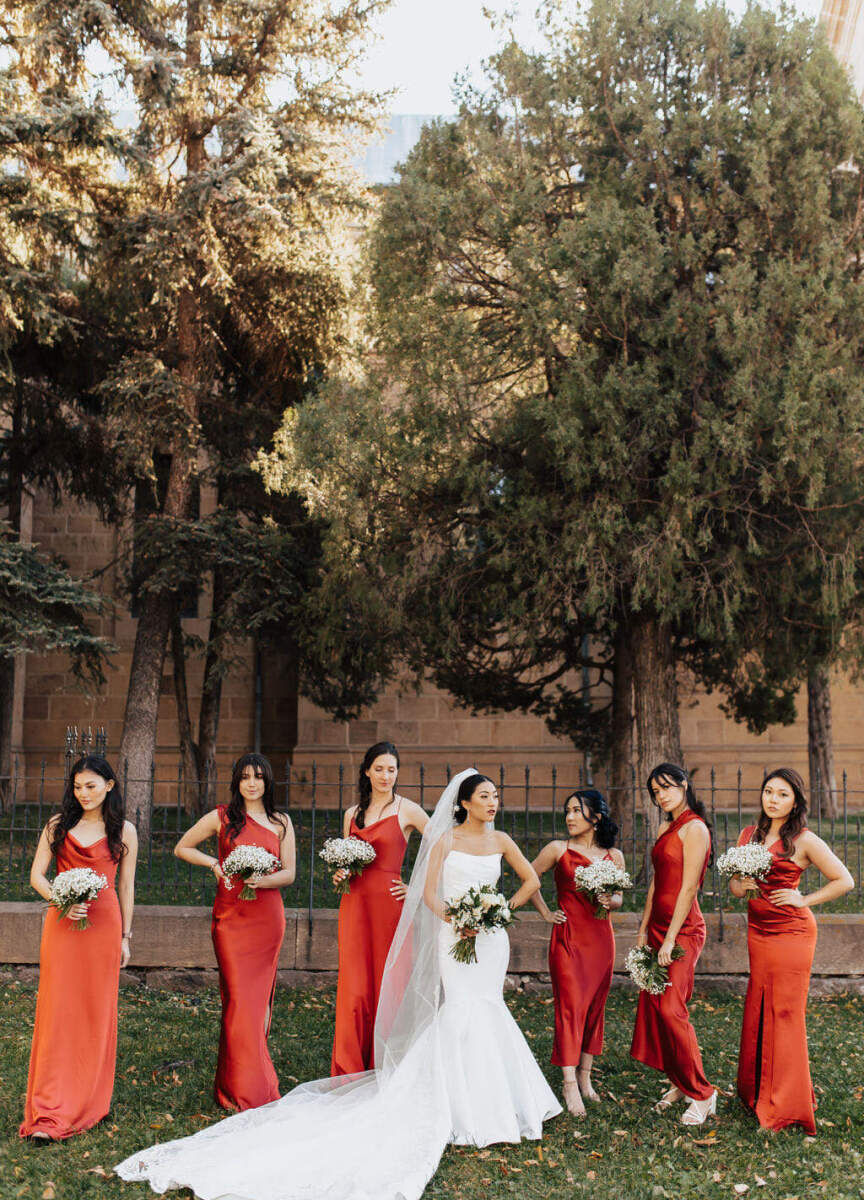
(422, 784)
(312, 842)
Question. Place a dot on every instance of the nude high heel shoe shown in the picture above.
(700, 1110)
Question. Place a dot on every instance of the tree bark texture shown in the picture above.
(655, 703)
(621, 755)
(820, 743)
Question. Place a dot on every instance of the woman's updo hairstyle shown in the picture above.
(666, 773)
(797, 818)
(467, 788)
(592, 804)
(364, 783)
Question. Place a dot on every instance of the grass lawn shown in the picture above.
(621, 1151)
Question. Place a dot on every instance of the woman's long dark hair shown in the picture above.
(364, 783)
(467, 788)
(797, 819)
(593, 806)
(672, 773)
(71, 811)
(235, 813)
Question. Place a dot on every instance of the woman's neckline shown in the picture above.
(468, 854)
(86, 845)
(261, 824)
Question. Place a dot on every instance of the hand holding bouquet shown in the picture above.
(751, 861)
(351, 855)
(246, 861)
(76, 886)
(600, 878)
(479, 910)
(645, 970)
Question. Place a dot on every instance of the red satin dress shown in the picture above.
(75, 1035)
(581, 956)
(773, 1065)
(247, 937)
(663, 1037)
(368, 916)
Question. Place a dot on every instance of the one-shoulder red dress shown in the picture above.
(368, 916)
(663, 1037)
(74, 1049)
(773, 1065)
(581, 957)
(247, 937)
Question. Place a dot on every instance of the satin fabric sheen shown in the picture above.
(368, 916)
(773, 1064)
(247, 937)
(581, 956)
(663, 1037)
(74, 1049)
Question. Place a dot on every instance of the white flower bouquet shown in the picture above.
(646, 972)
(76, 886)
(246, 861)
(752, 860)
(482, 909)
(601, 877)
(349, 854)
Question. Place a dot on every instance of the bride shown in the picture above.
(451, 1063)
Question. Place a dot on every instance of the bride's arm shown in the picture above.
(522, 867)
(430, 891)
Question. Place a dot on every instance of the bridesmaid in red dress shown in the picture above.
(773, 1066)
(74, 1049)
(247, 934)
(369, 913)
(663, 1037)
(582, 947)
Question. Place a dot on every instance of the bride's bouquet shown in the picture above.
(78, 885)
(601, 877)
(480, 908)
(246, 861)
(646, 972)
(349, 854)
(752, 860)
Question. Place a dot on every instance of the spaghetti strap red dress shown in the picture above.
(773, 1064)
(247, 937)
(368, 916)
(663, 1037)
(74, 1048)
(581, 956)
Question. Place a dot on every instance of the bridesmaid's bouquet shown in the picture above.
(349, 854)
(646, 972)
(246, 861)
(599, 878)
(78, 885)
(482, 909)
(752, 860)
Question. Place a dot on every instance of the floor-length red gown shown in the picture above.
(663, 1037)
(368, 916)
(581, 957)
(74, 1049)
(247, 938)
(773, 1065)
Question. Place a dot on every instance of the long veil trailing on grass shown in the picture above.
(378, 1135)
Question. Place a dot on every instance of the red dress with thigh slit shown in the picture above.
(368, 916)
(663, 1037)
(247, 937)
(581, 956)
(74, 1049)
(773, 1065)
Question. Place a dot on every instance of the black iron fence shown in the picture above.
(531, 811)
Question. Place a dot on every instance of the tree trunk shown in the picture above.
(621, 758)
(820, 743)
(655, 701)
(7, 706)
(211, 701)
(188, 748)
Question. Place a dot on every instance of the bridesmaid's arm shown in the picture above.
(126, 887)
(413, 817)
(642, 935)
(696, 842)
(39, 880)
(825, 860)
(738, 885)
(288, 859)
(545, 861)
(611, 900)
(522, 867)
(186, 848)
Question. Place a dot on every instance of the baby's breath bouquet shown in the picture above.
(78, 885)
(481, 908)
(349, 854)
(752, 860)
(601, 877)
(646, 972)
(246, 861)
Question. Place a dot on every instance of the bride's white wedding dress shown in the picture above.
(457, 1069)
